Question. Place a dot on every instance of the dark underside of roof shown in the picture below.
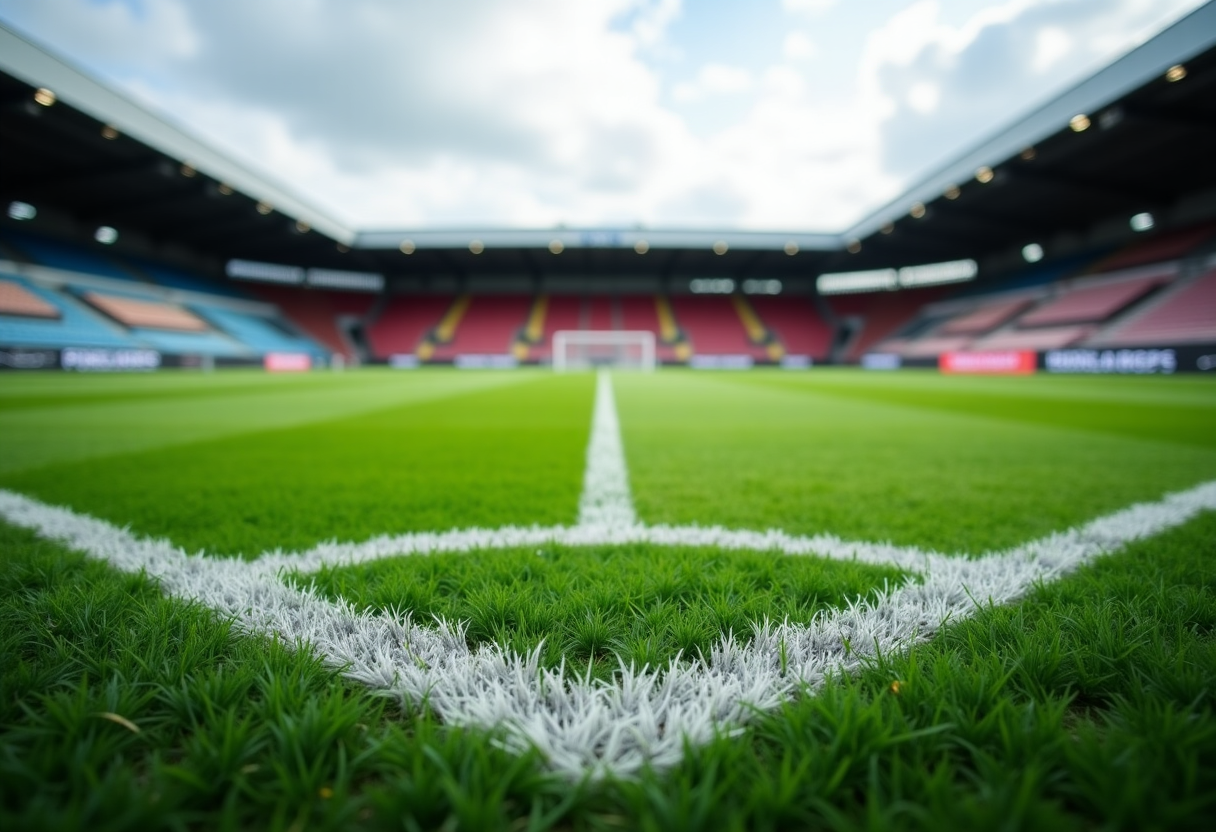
(1147, 152)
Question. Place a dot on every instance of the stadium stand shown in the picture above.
(404, 322)
(1093, 300)
(651, 313)
(145, 314)
(488, 327)
(985, 317)
(317, 311)
(598, 310)
(177, 279)
(796, 323)
(713, 327)
(881, 315)
(561, 312)
(19, 301)
(73, 325)
(1185, 313)
(263, 335)
(1045, 338)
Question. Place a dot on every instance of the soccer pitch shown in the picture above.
(452, 599)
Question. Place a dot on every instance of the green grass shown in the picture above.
(600, 606)
(1090, 704)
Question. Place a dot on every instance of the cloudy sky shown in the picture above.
(770, 114)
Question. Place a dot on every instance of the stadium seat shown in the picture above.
(1185, 313)
(401, 325)
(796, 323)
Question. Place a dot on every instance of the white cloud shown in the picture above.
(390, 112)
(798, 47)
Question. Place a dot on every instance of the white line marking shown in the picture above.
(606, 500)
(645, 717)
(586, 726)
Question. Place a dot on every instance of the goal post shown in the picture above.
(578, 349)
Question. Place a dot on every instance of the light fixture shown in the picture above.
(303, 227)
(556, 247)
(407, 247)
(1032, 252)
(1028, 154)
(641, 246)
(1140, 222)
(44, 96)
(791, 248)
(264, 208)
(953, 192)
(984, 174)
(720, 247)
(853, 247)
(109, 132)
(225, 189)
(887, 228)
(1079, 123)
(1175, 73)
(477, 246)
(105, 235)
(918, 210)
(187, 170)
(21, 211)
(343, 248)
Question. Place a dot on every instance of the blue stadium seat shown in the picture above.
(201, 343)
(76, 326)
(260, 334)
(66, 256)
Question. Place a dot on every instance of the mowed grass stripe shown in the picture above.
(597, 607)
(507, 455)
(117, 415)
(709, 447)
(1087, 705)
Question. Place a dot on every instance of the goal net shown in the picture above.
(583, 349)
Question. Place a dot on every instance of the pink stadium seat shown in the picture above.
(404, 321)
(599, 313)
(796, 322)
(1093, 301)
(986, 317)
(15, 299)
(146, 314)
(639, 314)
(926, 347)
(1186, 314)
(562, 313)
(1047, 338)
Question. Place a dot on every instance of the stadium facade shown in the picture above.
(1077, 238)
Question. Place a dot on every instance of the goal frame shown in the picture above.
(605, 337)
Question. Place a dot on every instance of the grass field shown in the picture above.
(1086, 701)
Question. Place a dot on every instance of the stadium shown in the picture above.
(910, 524)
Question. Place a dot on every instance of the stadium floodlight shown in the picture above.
(44, 96)
(556, 247)
(843, 283)
(953, 192)
(1142, 222)
(791, 248)
(21, 211)
(1028, 154)
(1079, 123)
(641, 246)
(1032, 252)
(188, 170)
(225, 189)
(853, 247)
(109, 132)
(106, 235)
(1175, 73)
(302, 227)
(934, 274)
(918, 210)
(407, 247)
(618, 349)
(984, 174)
(264, 208)
(720, 247)
(477, 246)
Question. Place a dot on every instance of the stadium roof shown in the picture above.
(99, 157)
